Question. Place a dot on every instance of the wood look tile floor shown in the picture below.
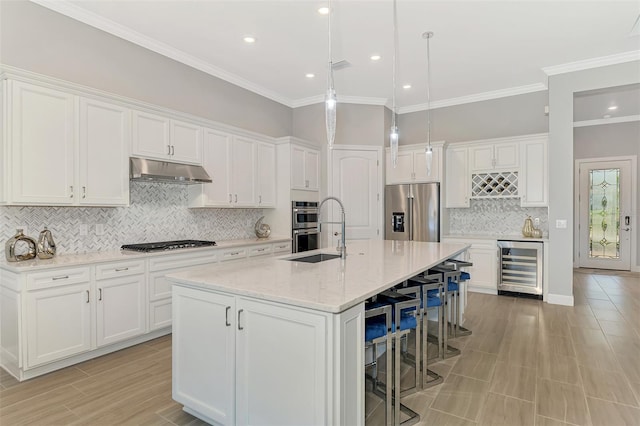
(526, 363)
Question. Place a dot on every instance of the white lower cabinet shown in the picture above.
(120, 312)
(484, 275)
(58, 322)
(244, 361)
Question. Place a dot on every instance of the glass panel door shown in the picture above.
(604, 213)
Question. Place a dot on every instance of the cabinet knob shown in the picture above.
(71, 190)
(236, 198)
(229, 197)
(87, 296)
(239, 326)
(168, 149)
(173, 150)
(84, 192)
(259, 199)
(226, 316)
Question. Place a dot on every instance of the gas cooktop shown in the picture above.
(167, 245)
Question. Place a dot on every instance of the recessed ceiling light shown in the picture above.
(406, 86)
(309, 75)
(375, 57)
(612, 108)
(249, 39)
(323, 10)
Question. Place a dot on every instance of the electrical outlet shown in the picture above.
(83, 230)
(99, 228)
(536, 222)
(561, 223)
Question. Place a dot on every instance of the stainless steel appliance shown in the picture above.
(412, 212)
(520, 267)
(167, 245)
(146, 170)
(304, 226)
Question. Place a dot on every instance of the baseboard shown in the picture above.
(484, 290)
(560, 299)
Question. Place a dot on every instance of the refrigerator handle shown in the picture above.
(410, 218)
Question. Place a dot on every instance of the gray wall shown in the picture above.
(561, 92)
(610, 140)
(40, 40)
(495, 118)
(356, 124)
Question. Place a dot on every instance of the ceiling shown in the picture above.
(595, 104)
(481, 49)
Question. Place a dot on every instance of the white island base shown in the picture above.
(272, 341)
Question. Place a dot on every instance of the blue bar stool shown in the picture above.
(455, 279)
(377, 330)
(404, 318)
(424, 376)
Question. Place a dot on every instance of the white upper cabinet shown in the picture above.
(42, 143)
(104, 154)
(65, 150)
(305, 168)
(457, 183)
(411, 165)
(162, 138)
(498, 156)
(266, 175)
(242, 170)
(534, 174)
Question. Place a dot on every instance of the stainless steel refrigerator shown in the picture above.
(412, 212)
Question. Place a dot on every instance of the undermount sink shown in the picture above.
(315, 258)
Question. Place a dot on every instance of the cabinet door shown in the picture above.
(217, 161)
(457, 182)
(506, 156)
(312, 169)
(481, 158)
(420, 165)
(121, 309)
(266, 176)
(297, 168)
(104, 154)
(150, 136)
(204, 335)
(403, 172)
(272, 339)
(534, 172)
(58, 323)
(186, 142)
(484, 270)
(42, 142)
(243, 172)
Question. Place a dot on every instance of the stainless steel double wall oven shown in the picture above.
(304, 226)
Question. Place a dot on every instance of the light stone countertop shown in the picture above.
(513, 237)
(331, 286)
(84, 259)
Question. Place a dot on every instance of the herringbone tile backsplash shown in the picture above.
(158, 212)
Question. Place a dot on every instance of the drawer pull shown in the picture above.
(121, 269)
(235, 253)
(226, 316)
(61, 277)
(87, 296)
(99, 294)
(262, 249)
(240, 312)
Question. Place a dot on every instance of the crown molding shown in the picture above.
(361, 100)
(485, 96)
(602, 61)
(611, 120)
(79, 14)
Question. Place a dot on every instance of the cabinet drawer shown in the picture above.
(282, 247)
(260, 250)
(172, 261)
(119, 269)
(233, 254)
(58, 277)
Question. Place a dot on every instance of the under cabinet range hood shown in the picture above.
(142, 169)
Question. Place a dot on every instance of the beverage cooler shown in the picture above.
(520, 267)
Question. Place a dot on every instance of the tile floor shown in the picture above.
(527, 363)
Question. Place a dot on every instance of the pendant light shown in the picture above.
(330, 100)
(393, 134)
(428, 150)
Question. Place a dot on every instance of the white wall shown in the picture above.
(561, 92)
(610, 140)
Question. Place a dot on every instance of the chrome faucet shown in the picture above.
(342, 247)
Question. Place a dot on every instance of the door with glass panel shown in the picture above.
(605, 214)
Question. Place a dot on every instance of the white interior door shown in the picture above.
(356, 181)
(605, 214)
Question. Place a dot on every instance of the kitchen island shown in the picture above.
(278, 341)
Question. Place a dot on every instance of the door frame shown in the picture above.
(634, 203)
(381, 178)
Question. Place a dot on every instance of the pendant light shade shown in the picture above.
(330, 100)
(428, 150)
(393, 134)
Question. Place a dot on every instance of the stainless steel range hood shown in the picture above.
(142, 169)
